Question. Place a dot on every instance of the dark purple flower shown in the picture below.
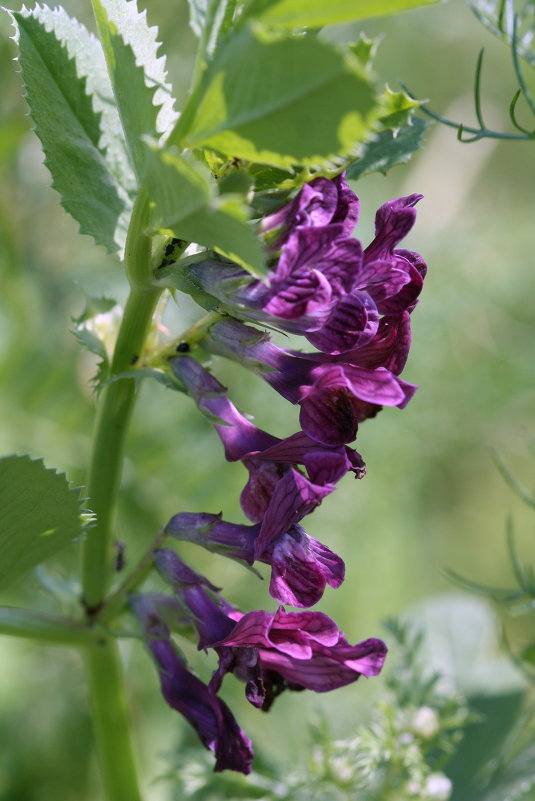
(209, 715)
(319, 203)
(301, 567)
(301, 650)
(334, 395)
(323, 286)
(297, 650)
(393, 222)
(265, 457)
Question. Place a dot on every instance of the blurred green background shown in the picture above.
(432, 497)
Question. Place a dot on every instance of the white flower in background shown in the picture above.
(438, 787)
(425, 722)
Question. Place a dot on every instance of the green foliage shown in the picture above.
(299, 101)
(389, 148)
(137, 74)
(211, 20)
(40, 515)
(183, 205)
(96, 329)
(498, 17)
(397, 109)
(316, 13)
(68, 126)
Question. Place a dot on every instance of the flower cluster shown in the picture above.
(353, 305)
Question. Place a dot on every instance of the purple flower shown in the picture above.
(393, 222)
(300, 650)
(295, 650)
(265, 457)
(334, 394)
(319, 203)
(323, 285)
(301, 567)
(209, 715)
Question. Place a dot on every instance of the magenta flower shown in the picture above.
(323, 285)
(334, 394)
(270, 651)
(320, 202)
(297, 651)
(301, 567)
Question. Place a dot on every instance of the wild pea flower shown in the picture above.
(301, 566)
(334, 394)
(270, 651)
(323, 284)
(198, 704)
(354, 306)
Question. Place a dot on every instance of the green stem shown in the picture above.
(116, 602)
(45, 628)
(116, 403)
(113, 416)
(110, 718)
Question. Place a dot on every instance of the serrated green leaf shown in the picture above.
(365, 49)
(183, 205)
(300, 101)
(87, 52)
(40, 515)
(317, 13)
(137, 73)
(69, 130)
(388, 149)
(397, 108)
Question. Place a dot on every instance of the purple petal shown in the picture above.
(415, 269)
(301, 567)
(313, 206)
(352, 322)
(393, 222)
(329, 668)
(324, 465)
(389, 348)
(377, 386)
(327, 414)
(306, 295)
(258, 492)
(382, 279)
(209, 715)
(294, 497)
(348, 206)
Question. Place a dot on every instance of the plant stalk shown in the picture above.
(110, 722)
(108, 703)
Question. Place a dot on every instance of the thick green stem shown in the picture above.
(113, 416)
(116, 403)
(110, 717)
